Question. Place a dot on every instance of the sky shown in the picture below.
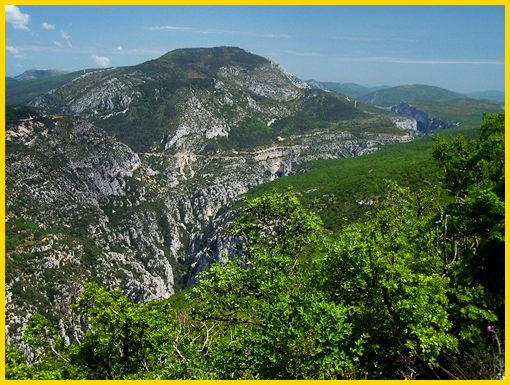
(460, 48)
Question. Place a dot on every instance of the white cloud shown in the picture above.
(48, 26)
(66, 37)
(304, 53)
(356, 38)
(119, 48)
(174, 28)
(207, 31)
(374, 39)
(143, 51)
(59, 44)
(101, 61)
(12, 50)
(16, 18)
(384, 59)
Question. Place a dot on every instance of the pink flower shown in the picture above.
(490, 329)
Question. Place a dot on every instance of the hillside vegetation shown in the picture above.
(390, 96)
(413, 290)
(341, 190)
(435, 101)
(468, 112)
(384, 262)
(149, 221)
(226, 93)
(20, 92)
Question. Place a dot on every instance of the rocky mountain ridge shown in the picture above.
(172, 92)
(85, 204)
(424, 122)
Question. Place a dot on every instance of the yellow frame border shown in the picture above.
(264, 2)
(230, 3)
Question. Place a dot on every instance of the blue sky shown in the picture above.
(460, 48)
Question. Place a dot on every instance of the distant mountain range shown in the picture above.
(439, 105)
(492, 96)
(26, 86)
(387, 96)
(39, 74)
(352, 90)
(30, 84)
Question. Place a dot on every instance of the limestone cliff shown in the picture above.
(127, 176)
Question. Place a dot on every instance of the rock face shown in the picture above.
(424, 122)
(86, 204)
(409, 124)
(62, 174)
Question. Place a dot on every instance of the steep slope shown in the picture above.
(20, 92)
(135, 190)
(466, 112)
(60, 174)
(436, 107)
(82, 206)
(187, 97)
(424, 122)
(363, 180)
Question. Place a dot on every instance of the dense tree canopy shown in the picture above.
(412, 291)
(474, 174)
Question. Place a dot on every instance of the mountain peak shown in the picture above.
(32, 74)
(213, 57)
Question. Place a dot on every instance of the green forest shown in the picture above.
(412, 289)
